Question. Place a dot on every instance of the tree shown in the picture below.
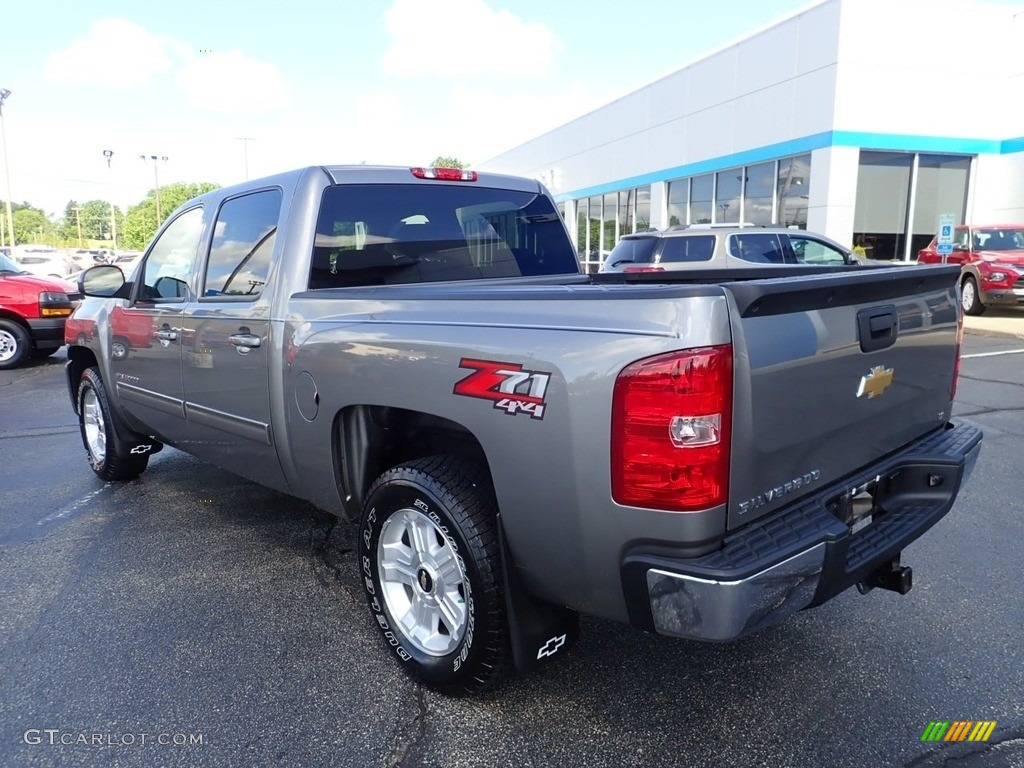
(31, 225)
(140, 221)
(447, 161)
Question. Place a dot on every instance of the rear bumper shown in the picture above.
(802, 555)
(47, 332)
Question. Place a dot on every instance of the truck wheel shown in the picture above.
(107, 456)
(969, 297)
(431, 567)
(15, 345)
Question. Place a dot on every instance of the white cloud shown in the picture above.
(232, 83)
(459, 38)
(116, 53)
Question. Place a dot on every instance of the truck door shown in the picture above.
(145, 333)
(226, 343)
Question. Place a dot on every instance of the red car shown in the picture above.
(993, 264)
(33, 311)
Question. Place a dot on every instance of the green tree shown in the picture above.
(140, 221)
(31, 226)
(448, 161)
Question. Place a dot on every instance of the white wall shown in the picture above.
(833, 192)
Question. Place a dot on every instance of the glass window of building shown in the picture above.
(609, 225)
(678, 198)
(728, 188)
(581, 230)
(759, 194)
(941, 188)
(643, 209)
(594, 232)
(793, 184)
(702, 193)
(883, 191)
(627, 199)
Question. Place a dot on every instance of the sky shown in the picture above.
(224, 89)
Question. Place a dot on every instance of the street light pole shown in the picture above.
(4, 93)
(109, 153)
(156, 181)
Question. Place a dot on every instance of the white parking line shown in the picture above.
(69, 509)
(995, 354)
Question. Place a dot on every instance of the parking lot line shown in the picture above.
(995, 354)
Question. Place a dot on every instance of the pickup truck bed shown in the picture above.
(697, 454)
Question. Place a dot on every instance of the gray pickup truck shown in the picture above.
(699, 454)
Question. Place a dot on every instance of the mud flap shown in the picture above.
(538, 629)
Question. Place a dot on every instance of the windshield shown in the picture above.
(7, 264)
(999, 239)
(386, 234)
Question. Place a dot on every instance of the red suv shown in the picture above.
(993, 264)
(33, 311)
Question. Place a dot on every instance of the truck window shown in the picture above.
(370, 234)
(807, 250)
(166, 273)
(243, 240)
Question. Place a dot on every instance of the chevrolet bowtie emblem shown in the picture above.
(876, 382)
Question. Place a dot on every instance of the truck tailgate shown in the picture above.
(834, 372)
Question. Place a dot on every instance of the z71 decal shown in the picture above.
(507, 385)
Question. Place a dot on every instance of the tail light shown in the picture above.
(444, 174)
(671, 422)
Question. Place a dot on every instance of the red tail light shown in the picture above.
(444, 174)
(671, 422)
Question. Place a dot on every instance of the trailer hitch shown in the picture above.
(891, 576)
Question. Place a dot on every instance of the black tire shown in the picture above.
(969, 297)
(15, 344)
(466, 650)
(109, 458)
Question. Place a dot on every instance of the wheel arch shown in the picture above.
(79, 359)
(370, 439)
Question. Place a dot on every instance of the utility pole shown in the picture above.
(109, 153)
(156, 181)
(4, 93)
(78, 220)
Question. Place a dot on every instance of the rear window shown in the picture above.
(687, 248)
(638, 250)
(389, 234)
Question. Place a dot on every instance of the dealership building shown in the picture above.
(863, 120)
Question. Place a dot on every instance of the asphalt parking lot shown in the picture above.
(190, 618)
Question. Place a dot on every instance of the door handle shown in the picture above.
(166, 335)
(249, 340)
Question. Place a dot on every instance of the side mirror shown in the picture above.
(104, 281)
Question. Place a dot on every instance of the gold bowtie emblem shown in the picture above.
(876, 382)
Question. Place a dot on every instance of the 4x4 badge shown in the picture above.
(876, 382)
(507, 385)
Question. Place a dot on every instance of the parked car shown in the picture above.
(44, 261)
(701, 246)
(33, 311)
(416, 350)
(992, 258)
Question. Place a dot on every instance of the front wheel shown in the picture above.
(969, 298)
(109, 458)
(431, 567)
(15, 345)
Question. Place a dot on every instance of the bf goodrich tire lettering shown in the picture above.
(109, 459)
(430, 565)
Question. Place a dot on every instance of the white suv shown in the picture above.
(723, 247)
